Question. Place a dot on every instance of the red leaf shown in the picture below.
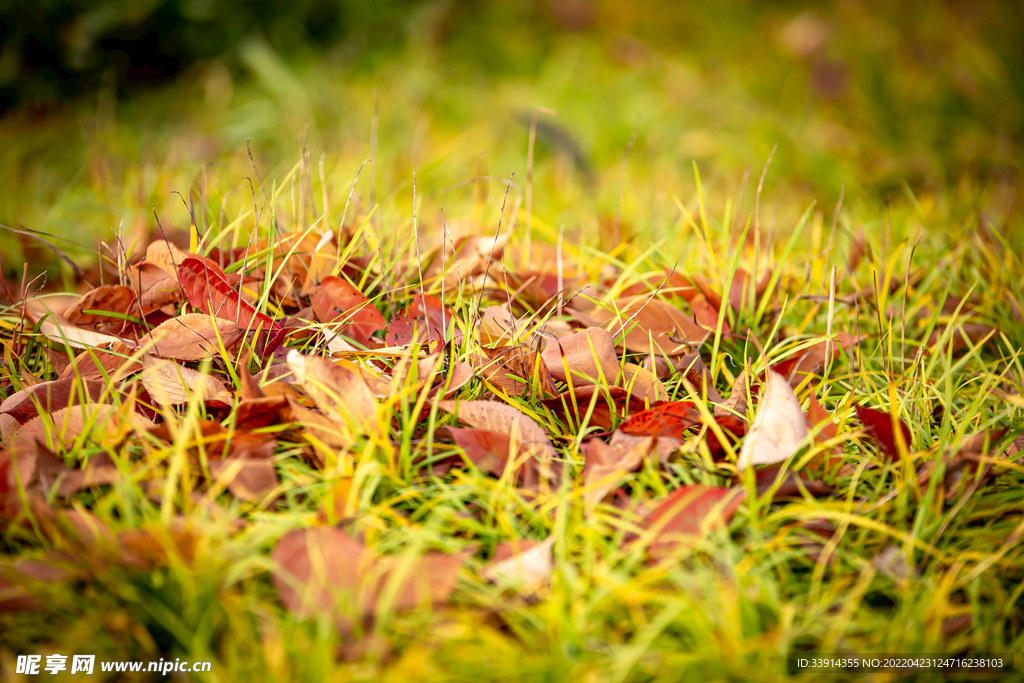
(789, 487)
(879, 428)
(687, 510)
(52, 396)
(605, 412)
(670, 418)
(336, 301)
(438, 319)
(326, 570)
(706, 315)
(207, 289)
(486, 449)
(730, 424)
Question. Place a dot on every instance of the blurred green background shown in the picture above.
(111, 106)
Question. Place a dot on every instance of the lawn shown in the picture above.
(666, 347)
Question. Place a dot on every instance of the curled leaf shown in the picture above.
(778, 428)
(207, 288)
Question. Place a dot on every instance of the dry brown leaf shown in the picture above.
(512, 369)
(521, 564)
(736, 404)
(69, 423)
(339, 304)
(337, 388)
(650, 325)
(586, 356)
(472, 254)
(697, 373)
(52, 305)
(193, 336)
(157, 295)
(251, 479)
(687, 512)
(102, 300)
(50, 396)
(165, 256)
(63, 332)
(169, 383)
(643, 384)
(608, 463)
(488, 451)
(324, 569)
(778, 428)
(528, 438)
(115, 361)
(326, 436)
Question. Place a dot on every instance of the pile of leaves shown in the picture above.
(208, 387)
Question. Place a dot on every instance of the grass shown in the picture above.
(730, 607)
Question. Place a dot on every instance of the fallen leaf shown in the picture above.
(424, 320)
(514, 370)
(588, 357)
(736, 404)
(670, 418)
(63, 332)
(688, 512)
(115, 362)
(169, 383)
(69, 423)
(159, 294)
(472, 253)
(730, 424)
(606, 464)
(207, 288)
(328, 437)
(818, 417)
(649, 325)
(324, 569)
(527, 437)
(879, 428)
(50, 396)
(250, 479)
(255, 409)
(193, 336)
(166, 257)
(611, 404)
(697, 373)
(643, 384)
(337, 388)
(498, 327)
(778, 428)
(336, 302)
(487, 450)
(706, 315)
(95, 306)
(520, 564)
